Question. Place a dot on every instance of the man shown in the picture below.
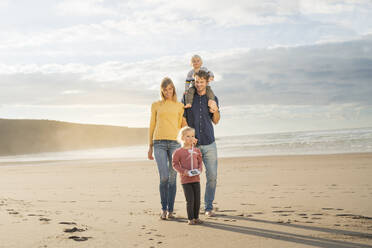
(200, 117)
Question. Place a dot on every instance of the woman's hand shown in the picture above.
(149, 154)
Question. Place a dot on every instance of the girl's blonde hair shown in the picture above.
(164, 84)
(182, 132)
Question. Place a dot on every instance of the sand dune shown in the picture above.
(34, 136)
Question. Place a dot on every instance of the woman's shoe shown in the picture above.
(171, 215)
(163, 215)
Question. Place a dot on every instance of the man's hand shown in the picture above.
(212, 106)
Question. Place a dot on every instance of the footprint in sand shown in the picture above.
(74, 229)
(316, 218)
(67, 223)
(77, 238)
(35, 215)
(226, 210)
(247, 204)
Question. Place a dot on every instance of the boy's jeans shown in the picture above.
(209, 153)
(163, 150)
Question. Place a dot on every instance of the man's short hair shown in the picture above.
(203, 74)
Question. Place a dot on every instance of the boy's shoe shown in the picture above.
(171, 215)
(198, 221)
(187, 106)
(163, 215)
(209, 213)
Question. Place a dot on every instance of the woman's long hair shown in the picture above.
(164, 84)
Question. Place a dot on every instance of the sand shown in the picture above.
(274, 201)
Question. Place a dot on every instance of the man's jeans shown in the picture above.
(163, 150)
(209, 153)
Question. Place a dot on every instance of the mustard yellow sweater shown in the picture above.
(166, 120)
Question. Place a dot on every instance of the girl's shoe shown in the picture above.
(163, 215)
(191, 222)
(198, 221)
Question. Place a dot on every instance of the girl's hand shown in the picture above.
(195, 141)
(149, 154)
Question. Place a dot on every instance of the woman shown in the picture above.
(166, 121)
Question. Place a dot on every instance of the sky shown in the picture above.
(279, 65)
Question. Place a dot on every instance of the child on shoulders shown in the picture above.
(196, 62)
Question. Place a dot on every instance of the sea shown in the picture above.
(358, 140)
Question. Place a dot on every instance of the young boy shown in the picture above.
(196, 62)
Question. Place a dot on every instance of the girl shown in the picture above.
(166, 121)
(185, 160)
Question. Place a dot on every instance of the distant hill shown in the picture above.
(35, 136)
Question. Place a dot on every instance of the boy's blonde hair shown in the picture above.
(182, 132)
(164, 84)
(195, 56)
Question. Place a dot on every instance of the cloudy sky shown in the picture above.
(279, 65)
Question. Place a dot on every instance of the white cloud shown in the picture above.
(332, 6)
(323, 86)
(84, 8)
(320, 74)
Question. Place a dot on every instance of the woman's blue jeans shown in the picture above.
(163, 151)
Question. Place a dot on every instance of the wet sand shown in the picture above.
(273, 201)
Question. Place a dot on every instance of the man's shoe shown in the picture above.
(209, 213)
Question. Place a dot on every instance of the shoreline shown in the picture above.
(143, 160)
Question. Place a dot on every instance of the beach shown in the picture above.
(261, 201)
